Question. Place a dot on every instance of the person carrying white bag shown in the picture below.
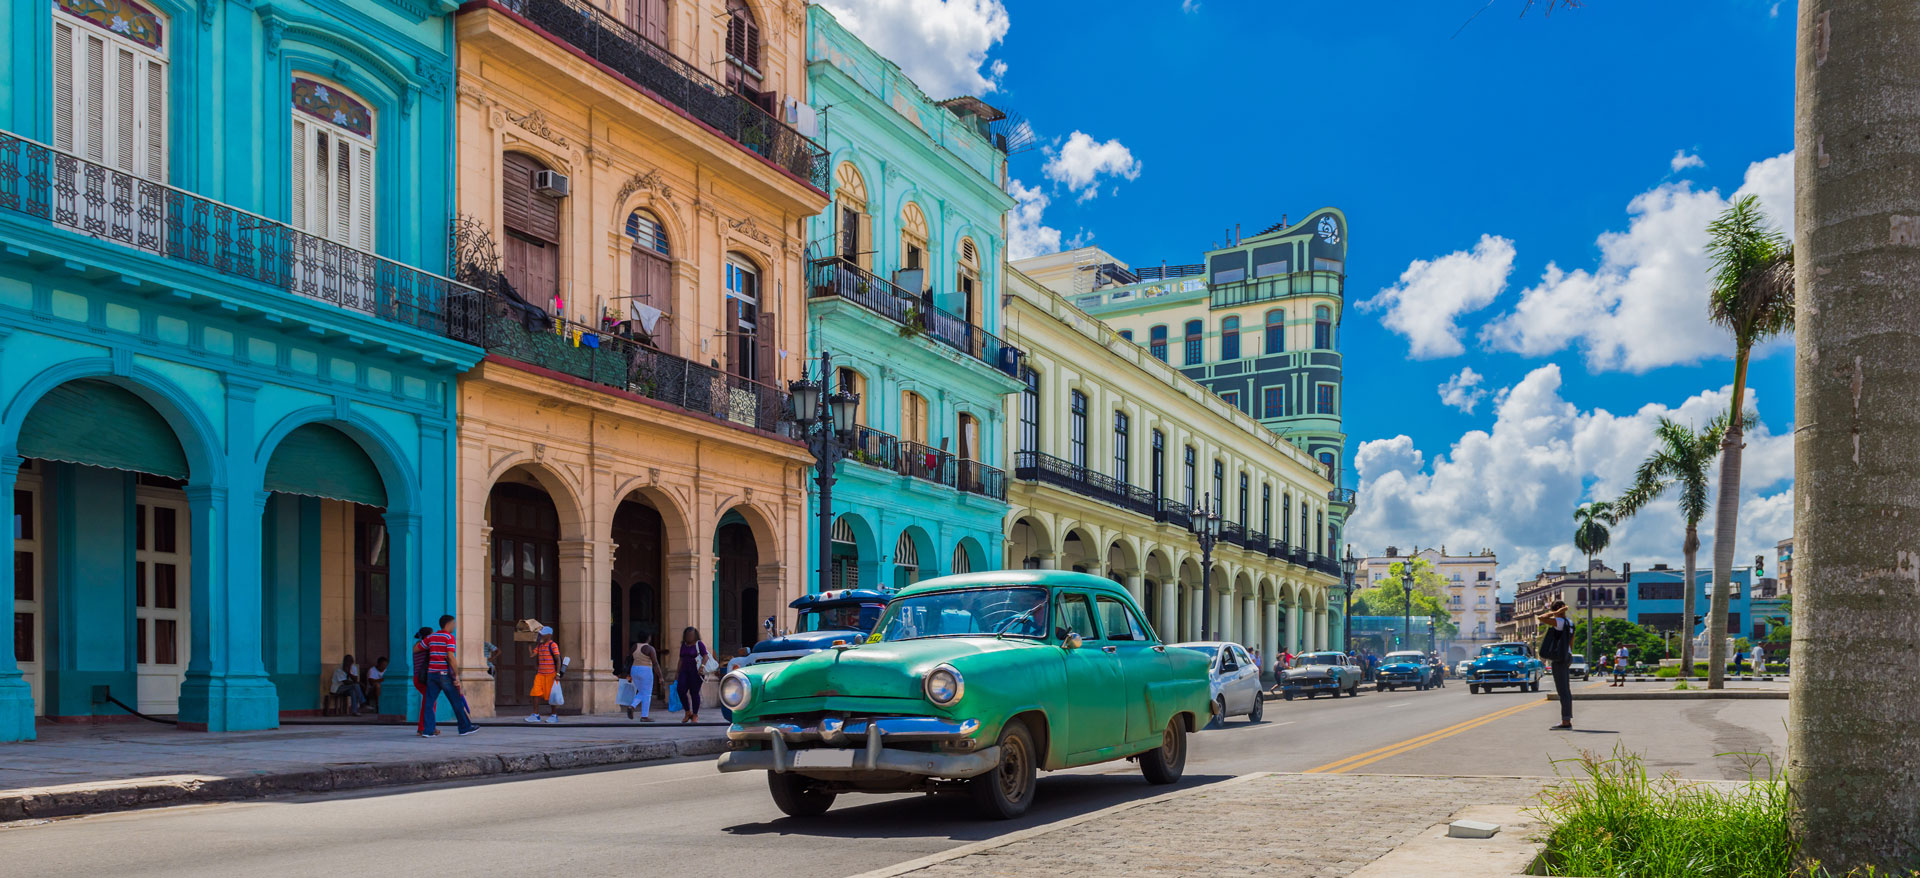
(548, 668)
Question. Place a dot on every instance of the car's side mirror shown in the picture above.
(1071, 641)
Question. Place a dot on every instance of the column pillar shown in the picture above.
(1270, 637)
(1048, 561)
(16, 695)
(683, 578)
(226, 687)
(585, 624)
(1293, 627)
(1193, 613)
(1250, 623)
(1136, 586)
(1169, 624)
(407, 609)
(1223, 615)
(768, 579)
(1319, 629)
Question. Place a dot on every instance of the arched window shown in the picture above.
(913, 244)
(967, 281)
(651, 286)
(649, 19)
(1580, 596)
(906, 561)
(748, 326)
(1276, 331)
(1230, 338)
(1322, 328)
(532, 220)
(1157, 342)
(1194, 353)
(913, 417)
(743, 49)
(332, 166)
(110, 87)
(854, 227)
(961, 562)
(967, 436)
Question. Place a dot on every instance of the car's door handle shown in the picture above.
(1109, 650)
(1158, 648)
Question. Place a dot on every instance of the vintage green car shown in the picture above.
(971, 683)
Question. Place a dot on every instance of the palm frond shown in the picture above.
(1752, 266)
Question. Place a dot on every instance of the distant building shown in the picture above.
(1783, 555)
(1656, 599)
(1602, 588)
(1472, 594)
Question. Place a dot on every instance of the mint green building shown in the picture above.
(904, 293)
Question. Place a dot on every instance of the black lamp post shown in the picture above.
(825, 421)
(1205, 525)
(1348, 565)
(1406, 609)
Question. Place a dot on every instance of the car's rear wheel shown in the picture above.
(1005, 792)
(1219, 713)
(798, 796)
(1286, 696)
(1164, 764)
(1259, 708)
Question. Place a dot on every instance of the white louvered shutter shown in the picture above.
(333, 183)
(109, 99)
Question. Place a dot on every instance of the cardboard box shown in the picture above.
(527, 630)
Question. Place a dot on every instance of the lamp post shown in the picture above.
(1406, 609)
(1205, 526)
(825, 421)
(1348, 565)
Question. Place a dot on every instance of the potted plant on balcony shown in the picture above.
(913, 323)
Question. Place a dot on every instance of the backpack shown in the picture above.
(1555, 645)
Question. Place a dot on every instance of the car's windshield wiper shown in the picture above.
(1001, 631)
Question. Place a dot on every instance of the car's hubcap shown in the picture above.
(1170, 744)
(1013, 769)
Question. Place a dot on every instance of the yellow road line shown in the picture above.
(1372, 756)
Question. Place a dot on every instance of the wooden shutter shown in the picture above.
(297, 210)
(332, 193)
(532, 266)
(650, 20)
(109, 100)
(63, 91)
(526, 211)
(866, 242)
(766, 336)
(752, 55)
(849, 233)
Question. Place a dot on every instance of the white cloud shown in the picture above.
(1683, 160)
(1513, 487)
(941, 44)
(1645, 306)
(1189, 6)
(1463, 390)
(1082, 161)
(1026, 235)
(1430, 294)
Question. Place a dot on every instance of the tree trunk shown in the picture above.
(1688, 603)
(1726, 526)
(1853, 757)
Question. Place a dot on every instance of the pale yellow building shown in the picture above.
(634, 201)
(1471, 593)
(1114, 450)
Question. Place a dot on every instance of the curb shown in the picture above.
(1679, 695)
(1044, 828)
(102, 798)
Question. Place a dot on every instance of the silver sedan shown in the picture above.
(1234, 677)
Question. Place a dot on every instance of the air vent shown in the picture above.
(551, 183)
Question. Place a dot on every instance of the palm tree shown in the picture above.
(1590, 536)
(1855, 736)
(1752, 296)
(1682, 457)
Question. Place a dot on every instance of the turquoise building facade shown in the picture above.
(227, 404)
(904, 292)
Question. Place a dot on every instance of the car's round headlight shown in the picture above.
(944, 685)
(735, 689)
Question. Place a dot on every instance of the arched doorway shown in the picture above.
(526, 581)
(639, 559)
(736, 560)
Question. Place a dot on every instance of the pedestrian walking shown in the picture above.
(1759, 660)
(420, 677)
(691, 672)
(1556, 646)
(546, 675)
(1620, 666)
(640, 674)
(441, 649)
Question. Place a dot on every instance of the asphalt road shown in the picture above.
(686, 820)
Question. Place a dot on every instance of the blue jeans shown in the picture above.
(437, 684)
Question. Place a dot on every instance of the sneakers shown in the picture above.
(533, 717)
(469, 731)
(646, 719)
(552, 719)
(425, 735)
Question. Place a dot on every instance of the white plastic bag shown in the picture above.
(554, 697)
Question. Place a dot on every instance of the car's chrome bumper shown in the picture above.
(837, 731)
(780, 759)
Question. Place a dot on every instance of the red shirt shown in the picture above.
(440, 647)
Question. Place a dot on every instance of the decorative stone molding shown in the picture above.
(649, 181)
(535, 122)
(750, 228)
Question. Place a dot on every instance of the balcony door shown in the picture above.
(110, 108)
(331, 196)
(160, 597)
(648, 18)
(532, 220)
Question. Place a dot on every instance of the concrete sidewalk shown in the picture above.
(87, 769)
(1305, 825)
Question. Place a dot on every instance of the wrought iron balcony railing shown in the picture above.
(1256, 541)
(674, 80)
(514, 331)
(1179, 515)
(875, 448)
(1278, 550)
(1342, 495)
(1325, 564)
(174, 224)
(1280, 286)
(1033, 466)
(838, 277)
(987, 481)
(886, 451)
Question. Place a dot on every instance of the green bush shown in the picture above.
(1667, 672)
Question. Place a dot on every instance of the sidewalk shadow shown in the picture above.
(856, 815)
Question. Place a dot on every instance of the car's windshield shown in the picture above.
(1012, 611)
(1579, 658)
(1318, 658)
(1503, 649)
(1405, 657)
(841, 617)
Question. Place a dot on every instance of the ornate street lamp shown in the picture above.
(1348, 565)
(1205, 526)
(1406, 609)
(828, 430)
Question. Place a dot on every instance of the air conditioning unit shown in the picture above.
(551, 183)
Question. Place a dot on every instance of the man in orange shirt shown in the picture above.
(546, 657)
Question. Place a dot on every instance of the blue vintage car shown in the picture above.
(1400, 670)
(840, 616)
(1505, 664)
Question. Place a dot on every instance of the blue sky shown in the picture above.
(1488, 153)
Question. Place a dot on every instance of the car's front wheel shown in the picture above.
(1219, 713)
(1472, 689)
(1005, 792)
(1164, 764)
(798, 796)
